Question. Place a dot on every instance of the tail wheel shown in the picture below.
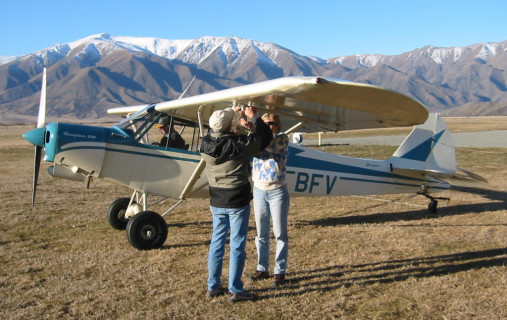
(147, 230)
(432, 206)
(116, 213)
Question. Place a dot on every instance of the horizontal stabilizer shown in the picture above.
(460, 178)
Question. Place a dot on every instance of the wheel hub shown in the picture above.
(148, 232)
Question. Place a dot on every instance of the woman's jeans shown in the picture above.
(237, 220)
(272, 204)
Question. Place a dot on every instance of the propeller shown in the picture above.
(41, 119)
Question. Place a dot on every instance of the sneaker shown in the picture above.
(217, 292)
(279, 280)
(259, 275)
(242, 296)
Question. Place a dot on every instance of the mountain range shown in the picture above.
(91, 75)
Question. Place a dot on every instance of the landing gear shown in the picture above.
(116, 213)
(432, 206)
(147, 230)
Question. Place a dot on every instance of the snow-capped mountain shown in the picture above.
(482, 53)
(90, 75)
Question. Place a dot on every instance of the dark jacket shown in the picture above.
(228, 168)
(175, 141)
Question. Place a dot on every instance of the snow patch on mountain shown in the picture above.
(486, 52)
(360, 60)
(6, 59)
(89, 56)
(107, 43)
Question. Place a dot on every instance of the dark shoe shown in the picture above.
(279, 280)
(259, 275)
(217, 292)
(242, 296)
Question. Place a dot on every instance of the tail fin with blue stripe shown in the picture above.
(428, 152)
(428, 147)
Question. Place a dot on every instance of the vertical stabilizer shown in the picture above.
(428, 147)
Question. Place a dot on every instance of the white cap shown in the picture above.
(221, 119)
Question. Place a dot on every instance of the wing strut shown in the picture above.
(193, 179)
(190, 184)
(295, 127)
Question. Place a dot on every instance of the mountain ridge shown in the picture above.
(90, 75)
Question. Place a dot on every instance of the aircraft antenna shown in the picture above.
(186, 89)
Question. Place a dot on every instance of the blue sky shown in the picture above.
(321, 28)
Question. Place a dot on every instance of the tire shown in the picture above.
(432, 206)
(116, 213)
(147, 230)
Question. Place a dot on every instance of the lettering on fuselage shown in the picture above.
(78, 135)
(308, 183)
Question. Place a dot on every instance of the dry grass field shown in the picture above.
(381, 257)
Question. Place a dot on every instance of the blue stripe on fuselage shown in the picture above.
(296, 161)
(113, 149)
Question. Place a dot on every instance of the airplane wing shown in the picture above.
(323, 104)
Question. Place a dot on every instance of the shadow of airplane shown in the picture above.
(342, 276)
(499, 197)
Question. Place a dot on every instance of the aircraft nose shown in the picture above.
(35, 136)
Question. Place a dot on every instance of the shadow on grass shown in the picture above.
(499, 196)
(343, 276)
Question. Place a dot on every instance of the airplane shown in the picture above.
(123, 154)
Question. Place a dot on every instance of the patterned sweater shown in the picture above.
(268, 168)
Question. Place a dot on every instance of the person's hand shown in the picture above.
(246, 124)
(250, 112)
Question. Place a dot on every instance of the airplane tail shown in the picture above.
(428, 147)
(428, 152)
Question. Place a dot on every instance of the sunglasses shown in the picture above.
(271, 123)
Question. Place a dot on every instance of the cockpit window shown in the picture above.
(149, 126)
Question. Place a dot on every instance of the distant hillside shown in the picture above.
(477, 109)
(90, 75)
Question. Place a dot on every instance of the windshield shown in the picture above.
(138, 124)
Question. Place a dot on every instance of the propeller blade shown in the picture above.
(36, 168)
(41, 119)
(37, 135)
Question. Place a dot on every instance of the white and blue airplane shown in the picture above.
(425, 162)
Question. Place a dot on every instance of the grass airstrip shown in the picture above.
(378, 257)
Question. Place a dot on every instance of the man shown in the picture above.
(170, 138)
(227, 157)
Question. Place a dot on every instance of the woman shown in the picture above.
(271, 200)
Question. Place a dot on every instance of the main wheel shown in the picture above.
(147, 230)
(116, 213)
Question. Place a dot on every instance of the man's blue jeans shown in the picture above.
(237, 220)
(272, 204)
